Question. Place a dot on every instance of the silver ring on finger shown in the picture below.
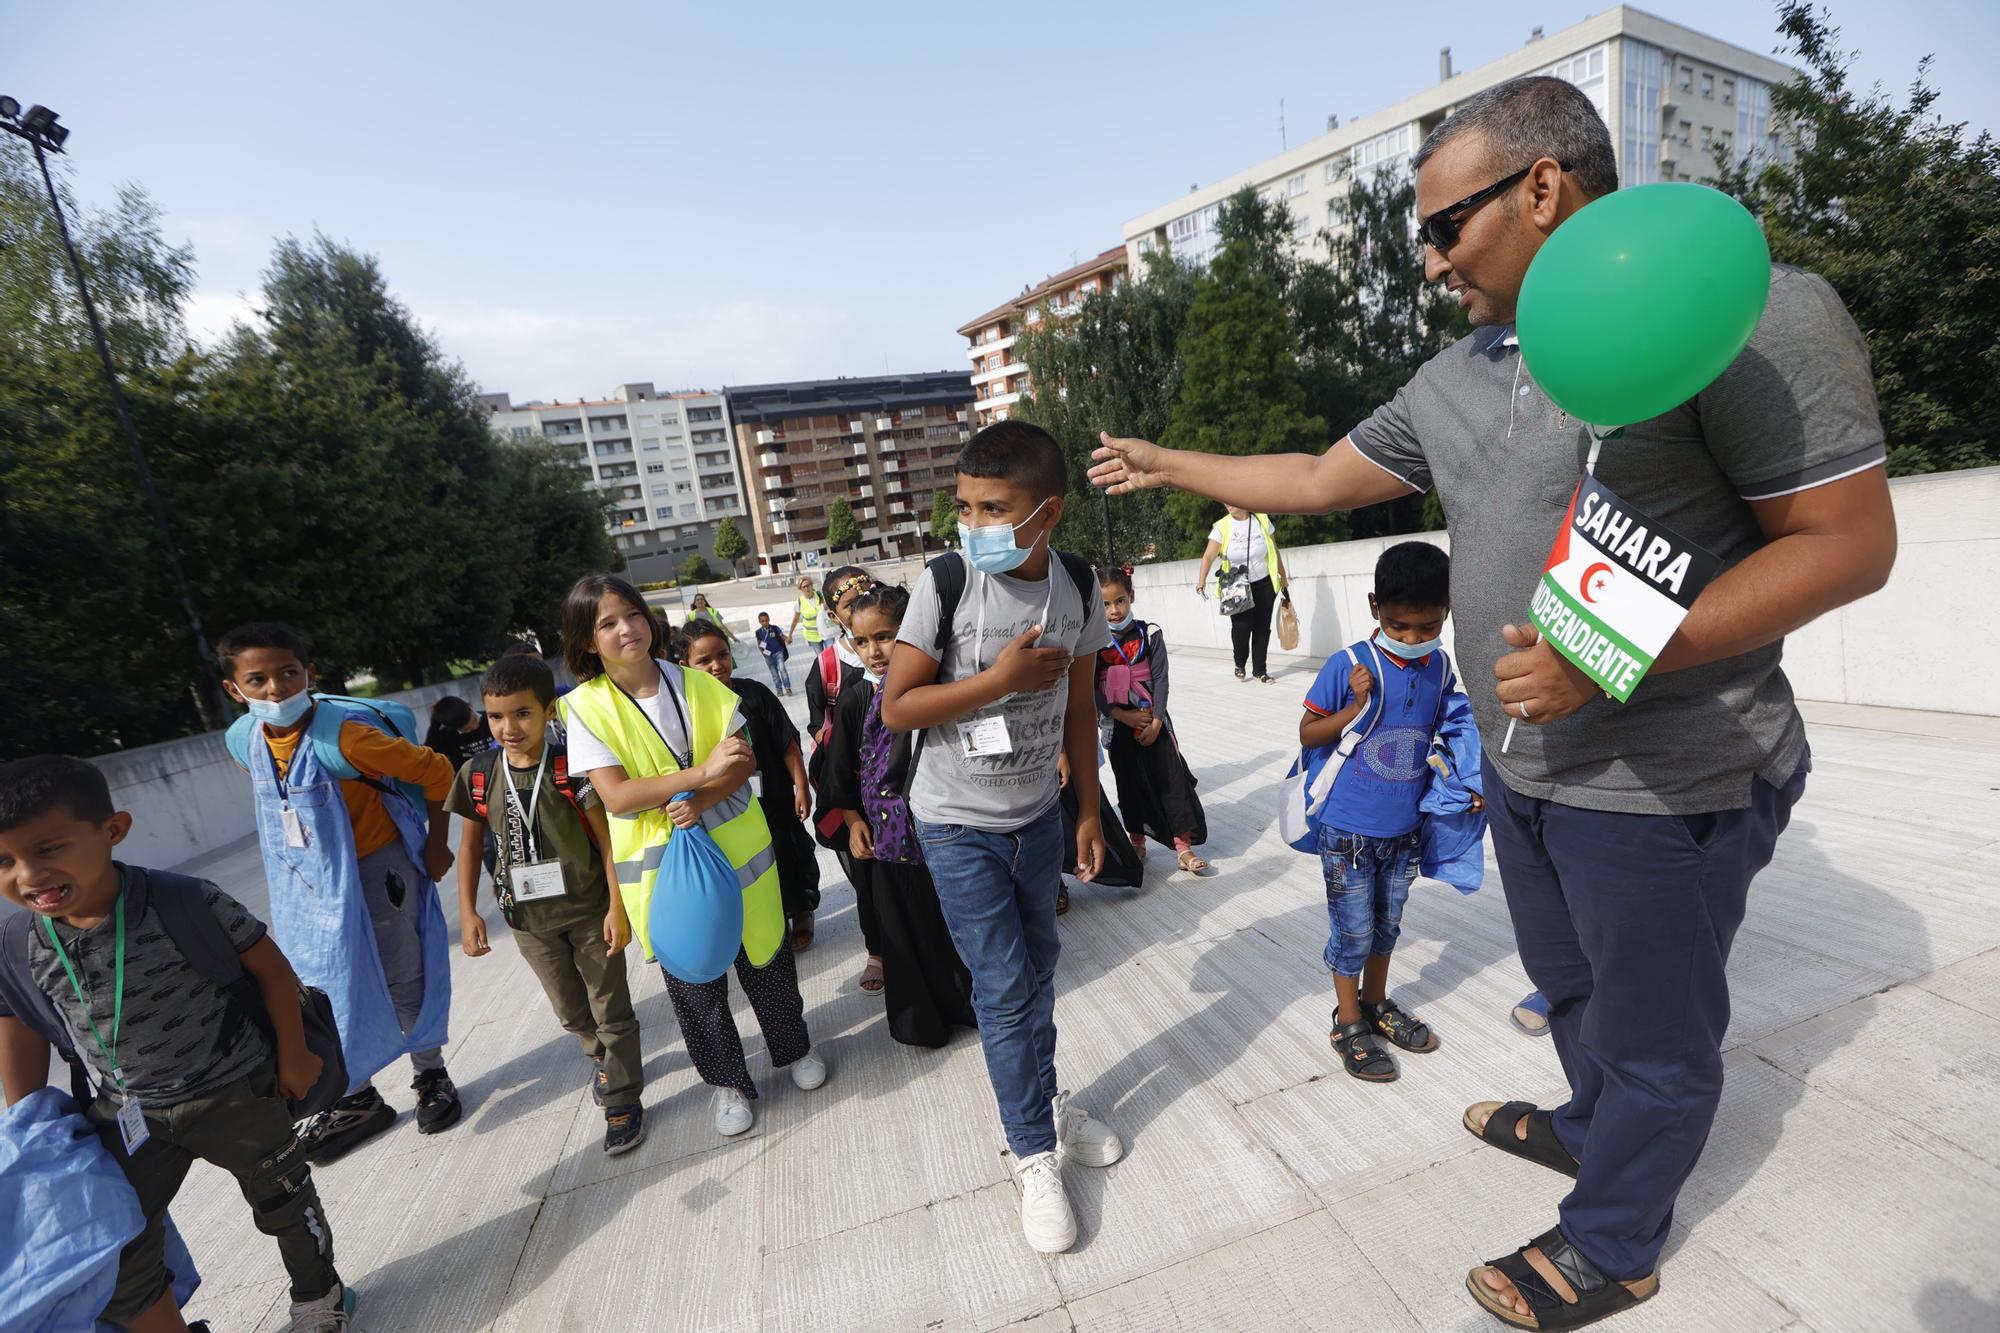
(1523, 706)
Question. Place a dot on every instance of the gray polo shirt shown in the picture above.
(1795, 410)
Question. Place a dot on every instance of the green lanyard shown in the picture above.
(118, 1000)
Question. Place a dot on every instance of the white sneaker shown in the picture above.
(732, 1112)
(1082, 1138)
(329, 1314)
(808, 1071)
(1046, 1219)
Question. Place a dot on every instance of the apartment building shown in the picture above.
(998, 376)
(1670, 95)
(885, 444)
(666, 461)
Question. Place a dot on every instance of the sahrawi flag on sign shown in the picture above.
(1616, 588)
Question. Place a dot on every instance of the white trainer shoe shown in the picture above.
(808, 1071)
(1046, 1219)
(1082, 1138)
(733, 1114)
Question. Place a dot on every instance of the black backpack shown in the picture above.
(177, 901)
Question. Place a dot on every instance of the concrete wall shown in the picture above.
(188, 797)
(1926, 641)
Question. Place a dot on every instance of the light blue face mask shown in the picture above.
(280, 712)
(993, 549)
(873, 680)
(1120, 626)
(1409, 652)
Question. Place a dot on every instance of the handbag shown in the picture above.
(1235, 592)
(1310, 779)
(884, 801)
(1288, 625)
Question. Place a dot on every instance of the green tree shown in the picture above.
(944, 517)
(1900, 212)
(1240, 388)
(842, 532)
(696, 569)
(1115, 365)
(730, 544)
(93, 646)
(556, 524)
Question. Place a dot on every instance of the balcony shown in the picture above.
(769, 436)
(890, 467)
(883, 423)
(775, 505)
(860, 449)
(977, 350)
(887, 447)
(997, 401)
(960, 415)
(775, 483)
(854, 428)
(770, 459)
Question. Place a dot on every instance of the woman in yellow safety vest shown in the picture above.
(699, 609)
(646, 731)
(807, 613)
(1242, 540)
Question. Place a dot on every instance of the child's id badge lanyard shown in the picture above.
(295, 828)
(536, 879)
(131, 1116)
(984, 735)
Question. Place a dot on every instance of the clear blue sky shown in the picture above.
(575, 195)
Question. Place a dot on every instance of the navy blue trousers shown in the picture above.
(1624, 923)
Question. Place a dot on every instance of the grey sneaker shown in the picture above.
(329, 1314)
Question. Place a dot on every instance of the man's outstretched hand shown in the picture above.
(1128, 465)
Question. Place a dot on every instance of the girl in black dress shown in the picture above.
(832, 673)
(1155, 788)
(780, 781)
(926, 988)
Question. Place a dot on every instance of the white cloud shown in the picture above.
(538, 354)
(209, 314)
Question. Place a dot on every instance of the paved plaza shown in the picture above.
(1852, 1181)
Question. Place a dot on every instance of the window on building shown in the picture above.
(1333, 171)
(1707, 138)
(1301, 225)
(524, 432)
(1687, 78)
(1687, 134)
(712, 460)
(680, 464)
(683, 488)
(656, 467)
(1708, 85)
(662, 489)
(664, 511)
(1269, 196)
(1296, 186)
(1729, 92)
(1146, 247)
(669, 419)
(1181, 228)
(704, 414)
(650, 446)
(687, 511)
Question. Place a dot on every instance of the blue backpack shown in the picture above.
(323, 734)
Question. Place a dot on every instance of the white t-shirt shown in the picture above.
(587, 751)
(1244, 548)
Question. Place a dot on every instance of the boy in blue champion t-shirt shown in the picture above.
(775, 647)
(1393, 686)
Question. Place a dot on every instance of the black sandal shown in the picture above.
(1400, 1026)
(1062, 899)
(1359, 1053)
(1598, 1297)
(1541, 1147)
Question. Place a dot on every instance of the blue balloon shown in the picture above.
(695, 921)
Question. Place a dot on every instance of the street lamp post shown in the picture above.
(39, 128)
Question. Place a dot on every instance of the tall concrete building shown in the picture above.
(665, 460)
(998, 376)
(885, 444)
(1670, 95)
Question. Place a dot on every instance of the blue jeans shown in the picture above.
(781, 671)
(998, 892)
(1367, 882)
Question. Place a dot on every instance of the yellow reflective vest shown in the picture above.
(1263, 521)
(809, 618)
(639, 841)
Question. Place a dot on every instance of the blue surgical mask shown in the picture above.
(280, 712)
(1120, 626)
(874, 680)
(1409, 652)
(993, 549)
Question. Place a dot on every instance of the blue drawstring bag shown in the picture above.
(66, 1210)
(695, 921)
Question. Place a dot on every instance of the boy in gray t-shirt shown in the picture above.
(1002, 687)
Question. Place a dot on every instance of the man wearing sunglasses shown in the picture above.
(1627, 834)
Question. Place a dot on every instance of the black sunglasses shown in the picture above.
(1440, 229)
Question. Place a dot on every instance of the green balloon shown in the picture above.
(1637, 302)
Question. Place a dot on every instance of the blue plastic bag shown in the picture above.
(66, 1211)
(695, 921)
